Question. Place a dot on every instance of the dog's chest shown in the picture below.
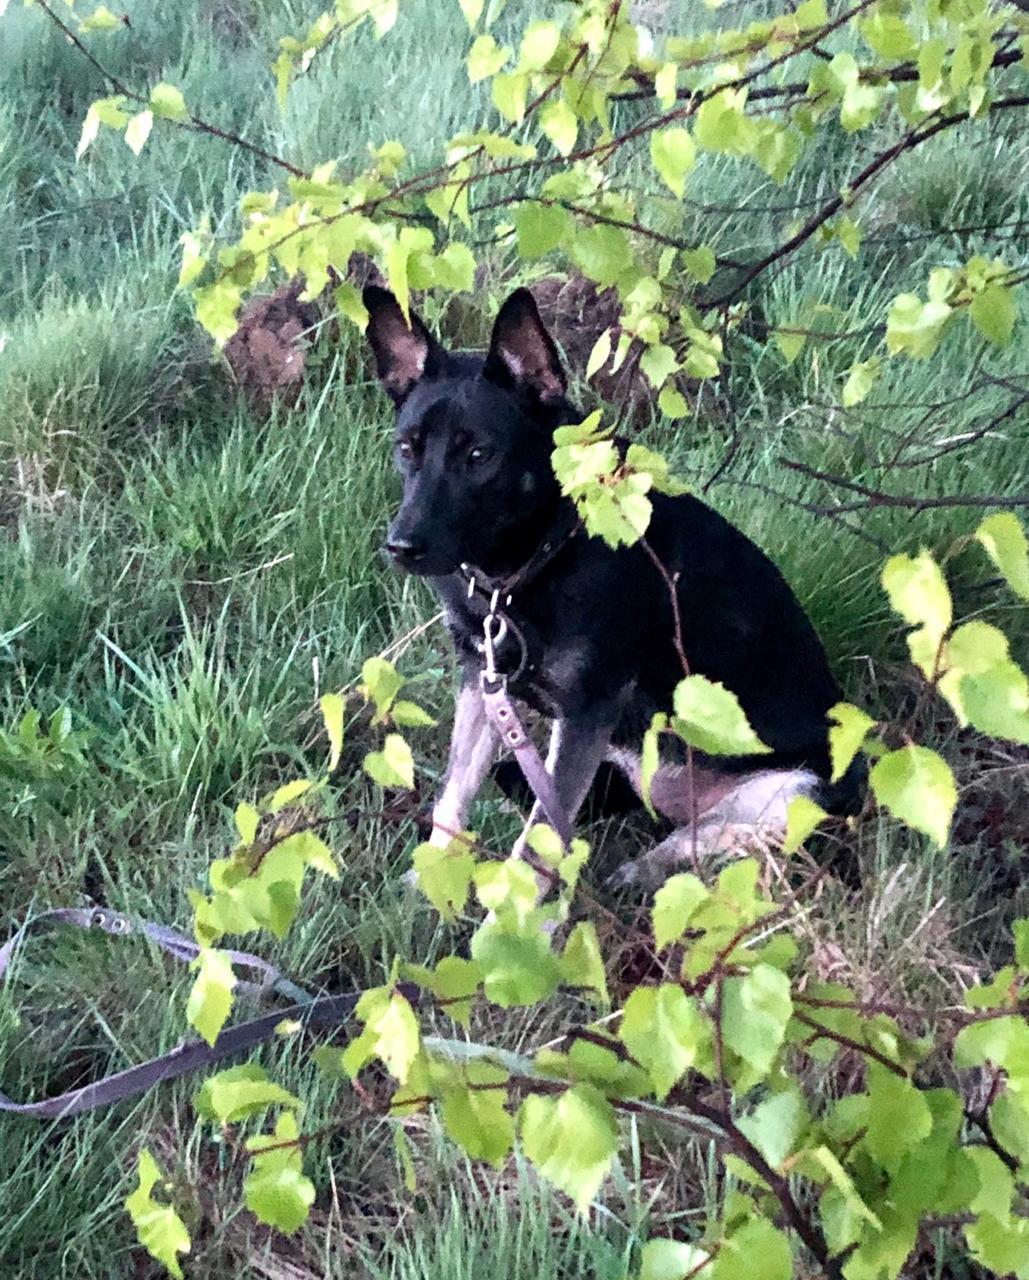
(539, 666)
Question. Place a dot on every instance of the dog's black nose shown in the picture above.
(405, 550)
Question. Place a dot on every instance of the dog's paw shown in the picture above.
(639, 876)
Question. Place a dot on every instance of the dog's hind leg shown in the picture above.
(752, 813)
(473, 746)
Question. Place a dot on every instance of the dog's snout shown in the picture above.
(405, 550)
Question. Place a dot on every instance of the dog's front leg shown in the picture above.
(473, 746)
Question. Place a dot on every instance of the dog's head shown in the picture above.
(473, 437)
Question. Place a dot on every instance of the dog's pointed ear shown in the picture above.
(404, 353)
(522, 353)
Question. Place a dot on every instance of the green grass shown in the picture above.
(185, 580)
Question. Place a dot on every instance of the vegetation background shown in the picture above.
(181, 574)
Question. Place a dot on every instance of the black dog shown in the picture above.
(590, 636)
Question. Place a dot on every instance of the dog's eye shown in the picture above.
(477, 454)
(405, 449)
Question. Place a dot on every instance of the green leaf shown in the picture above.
(193, 258)
(411, 716)
(993, 313)
(240, 1092)
(757, 1251)
(709, 717)
(445, 875)
(790, 344)
(846, 736)
(600, 354)
(247, 819)
(472, 10)
(101, 19)
(210, 1000)
(571, 1139)
(917, 786)
(456, 981)
(700, 263)
(216, 307)
(888, 35)
(541, 229)
(517, 969)
(673, 155)
(455, 268)
(602, 253)
(848, 234)
(477, 1118)
(860, 381)
(380, 683)
(280, 1197)
(674, 905)
(898, 1116)
(918, 592)
(582, 964)
(332, 706)
(167, 103)
(913, 328)
(755, 1011)
(1005, 541)
(393, 766)
(350, 304)
(665, 1032)
(802, 817)
(138, 130)
(486, 58)
(509, 95)
(658, 363)
(650, 759)
(287, 793)
(777, 1125)
(159, 1228)
(672, 403)
(670, 1260)
(561, 125)
(539, 44)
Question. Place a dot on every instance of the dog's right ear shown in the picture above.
(404, 354)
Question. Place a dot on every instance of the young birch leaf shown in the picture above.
(138, 130)
(472, 10)
(571, 1139)
(541, 228)
(332, 714)
(210, 1000)
(101, 19)
(846, 735)
(280, 1197)
(993, 313)
(167, 103)
(918, 591)
(755, 1011)
(665, 1032)
(674, 904)
(476, 1117)
(1004, 539)
(539, 44)
(509, 95)
(159, 1228)
(860, 381)
(802, 817)
(673, 155)
(700, 263)
(709, 717)
(445, 875)
(582, 964)
(671, 1260)
(247, 819)
(600, 354)
(485, 59)
(393, 766)
(917, 786)
(560, 123)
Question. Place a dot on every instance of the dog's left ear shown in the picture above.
(522, 354)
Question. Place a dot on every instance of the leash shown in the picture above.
(191, 1055)
(496, 625)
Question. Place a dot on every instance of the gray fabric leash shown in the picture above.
(193, 1054)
